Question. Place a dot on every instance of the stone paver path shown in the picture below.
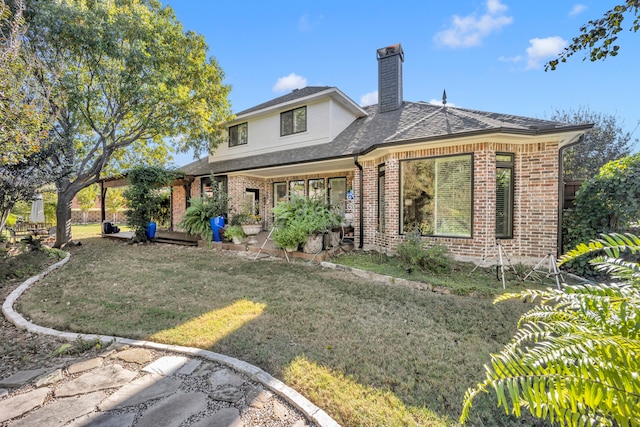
(143, 388)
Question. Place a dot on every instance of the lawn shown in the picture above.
(369, 354)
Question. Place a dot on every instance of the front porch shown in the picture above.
(262, 245)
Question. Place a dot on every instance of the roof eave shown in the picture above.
(480, 132)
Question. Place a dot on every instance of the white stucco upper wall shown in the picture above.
(326, 118)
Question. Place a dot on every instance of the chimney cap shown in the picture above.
(395, 49)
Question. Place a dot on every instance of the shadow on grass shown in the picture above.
(367, 353)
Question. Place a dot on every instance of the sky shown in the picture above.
(488, 55)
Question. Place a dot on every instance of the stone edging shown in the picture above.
(312, 412)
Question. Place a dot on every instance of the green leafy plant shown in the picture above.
(289, 237)
(234, 231)
(145, 196)
(576, 356)
(434, 258)
(299, 217)
(196, 219)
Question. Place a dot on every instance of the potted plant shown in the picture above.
(197, 218)
(289, 238)
(310, 215)
(235, 233)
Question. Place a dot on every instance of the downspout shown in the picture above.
(361, 209)
(561, 189)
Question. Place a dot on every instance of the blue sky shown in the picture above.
(487, 54)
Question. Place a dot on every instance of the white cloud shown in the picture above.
(290, 82)
(577, 9)
(470, 30)
(540, 50)
(369, 99)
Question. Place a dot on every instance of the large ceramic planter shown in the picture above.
(313, 244)
(251, 229)
(217, 224)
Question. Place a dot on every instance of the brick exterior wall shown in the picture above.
(535, 224)
(535, 201)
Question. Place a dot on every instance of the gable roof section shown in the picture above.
(413, 122)
(299, 97)
(285, 99)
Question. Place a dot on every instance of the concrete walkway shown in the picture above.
(141, 383)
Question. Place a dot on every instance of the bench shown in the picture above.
(25, 229)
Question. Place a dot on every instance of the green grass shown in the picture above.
(367, 353)
(462, 279)
(84, 231)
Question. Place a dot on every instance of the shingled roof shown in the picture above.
(291, 96)
(412, 122)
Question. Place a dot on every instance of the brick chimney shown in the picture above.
(390, 61)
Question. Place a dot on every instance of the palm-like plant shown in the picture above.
(575, 359)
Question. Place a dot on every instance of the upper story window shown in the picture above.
(293, 121)
(238, 134)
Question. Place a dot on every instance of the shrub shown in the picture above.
(435, 258)
(144, 198)
(196, 219)
(576, 356)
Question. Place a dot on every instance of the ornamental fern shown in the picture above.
(575, 359)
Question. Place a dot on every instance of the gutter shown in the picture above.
(561, 189)
(361, 209)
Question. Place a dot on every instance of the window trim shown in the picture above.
(237, 128)
(293, 127)
(472, 183)
(506, 165)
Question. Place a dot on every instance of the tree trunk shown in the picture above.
(63, 217)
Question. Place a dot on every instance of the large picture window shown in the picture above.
(238, 135)
(504, 196)
(437, 196)
(338, 195)
(293, 121)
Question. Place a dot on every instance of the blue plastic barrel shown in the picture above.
(217, 223)
(151, 230)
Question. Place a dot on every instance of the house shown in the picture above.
(460, 177)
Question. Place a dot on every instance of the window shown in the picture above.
(316, 188)
(208, 188)
(238, 135)
(437, 196)
(293, 121)
(279, 192)
(296, 187)
(504, 196)
(338, 195)
(381, 202)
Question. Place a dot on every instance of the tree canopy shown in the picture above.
(134, 81)
(606, 141)
(599, 36)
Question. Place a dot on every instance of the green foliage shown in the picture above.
(301, 216)
(234, 231)
(605, 142)
(290, 237)
(196, 219)
(607, 203)
(434, 258)
(144, 197)
(25, 119)
(598, 36)
(576, 356)
(115, 201)
(134, 82)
